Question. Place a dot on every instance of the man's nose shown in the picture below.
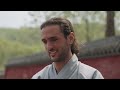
(49, 46)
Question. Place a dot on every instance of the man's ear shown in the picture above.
(71, 37)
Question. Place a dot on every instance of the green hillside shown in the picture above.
(16, 43)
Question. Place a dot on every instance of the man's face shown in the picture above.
(57, 46)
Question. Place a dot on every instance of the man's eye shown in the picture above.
(54, 39)
(44, 42)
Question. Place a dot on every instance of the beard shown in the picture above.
(61, 54)
(60, 58)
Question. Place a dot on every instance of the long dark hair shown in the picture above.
(66, 28)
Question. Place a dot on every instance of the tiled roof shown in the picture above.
(1, 74)
(38, 58)
(100, 48)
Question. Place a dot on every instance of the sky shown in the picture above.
(14, 19)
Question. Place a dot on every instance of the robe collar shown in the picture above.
(66, 71)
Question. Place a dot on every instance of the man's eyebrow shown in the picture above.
(50, 38)
(42, 40)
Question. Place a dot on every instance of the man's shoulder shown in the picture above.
(42, 72)
(89, 72)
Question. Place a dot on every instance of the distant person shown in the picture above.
(59, 40)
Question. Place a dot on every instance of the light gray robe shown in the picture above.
(74, 69)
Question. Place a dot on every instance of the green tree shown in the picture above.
(89, 19)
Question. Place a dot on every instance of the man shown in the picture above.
(59, 40)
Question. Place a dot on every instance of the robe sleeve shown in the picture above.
(97, 75)
(43, 74)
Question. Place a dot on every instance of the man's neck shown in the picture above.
(59, 65)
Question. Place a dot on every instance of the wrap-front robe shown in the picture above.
(74, 69)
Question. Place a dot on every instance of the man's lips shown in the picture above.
(52, 53)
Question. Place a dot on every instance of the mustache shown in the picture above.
(51, 50)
